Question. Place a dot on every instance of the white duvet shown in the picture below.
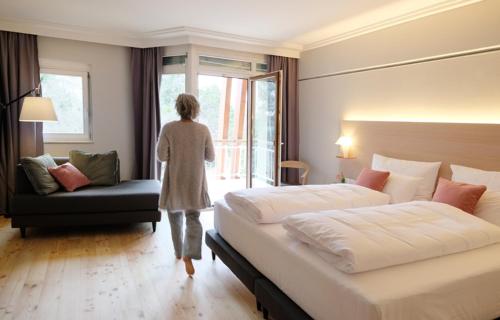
(357, 240)
(271, 205)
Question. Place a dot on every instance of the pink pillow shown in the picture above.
(373, 179)
(69, 176)
(461, 195)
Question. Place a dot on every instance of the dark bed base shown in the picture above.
(276, 303)
(232, 259)
(270, 299)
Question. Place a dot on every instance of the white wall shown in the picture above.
(463, 89)
(111, 97)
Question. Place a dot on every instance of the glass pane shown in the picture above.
(223, 104)
(173, 60)
(66, 93)
(171, 86)
(227, 63)
(264, 132)
(261, 67)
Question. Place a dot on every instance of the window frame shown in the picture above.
(223, 71)
(77, 71)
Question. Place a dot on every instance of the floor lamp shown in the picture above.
(34, 108)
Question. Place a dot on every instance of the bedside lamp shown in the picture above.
(345, 144)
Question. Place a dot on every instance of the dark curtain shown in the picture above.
(290, 113)
(19, 73)
(146, 76)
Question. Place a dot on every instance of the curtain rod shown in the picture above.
(408, 62)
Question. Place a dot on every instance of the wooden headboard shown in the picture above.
(473, 145)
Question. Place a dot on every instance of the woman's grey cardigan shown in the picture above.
(184, 146)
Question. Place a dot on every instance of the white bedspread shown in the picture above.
(357, 240)
(462, 286)
(271, 205)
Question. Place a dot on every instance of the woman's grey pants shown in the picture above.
(191, 245)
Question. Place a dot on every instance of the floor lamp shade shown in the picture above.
(38, 109)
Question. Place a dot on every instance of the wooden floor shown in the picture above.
(112, 272)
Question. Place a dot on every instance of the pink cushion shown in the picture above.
(69, 176)
(461, 195)
(373, 179)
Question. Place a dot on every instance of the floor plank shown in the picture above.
(112, 272)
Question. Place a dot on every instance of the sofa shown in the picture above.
(131, 201)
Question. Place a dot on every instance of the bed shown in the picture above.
(291, 281)
(459, 286)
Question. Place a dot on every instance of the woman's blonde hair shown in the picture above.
(187, 106)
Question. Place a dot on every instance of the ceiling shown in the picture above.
(293, 25)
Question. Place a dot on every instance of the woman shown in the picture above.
(185, 145)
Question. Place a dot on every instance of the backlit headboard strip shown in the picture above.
(474, 145)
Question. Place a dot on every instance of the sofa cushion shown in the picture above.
(101, 168)
(69, 176)
(36, 170)
(133, 195)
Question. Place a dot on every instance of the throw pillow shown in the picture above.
(36, 169)
(372, 179)
(460, 195)
(401, 188)
(101, 168)
(69, 176)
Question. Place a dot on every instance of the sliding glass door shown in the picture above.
(264, 130)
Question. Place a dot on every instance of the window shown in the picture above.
(219, 78)
(225, 63)
(261, 67)
(70, 96)
(174, 60)
(171, 86)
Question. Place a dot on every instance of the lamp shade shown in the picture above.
(38, 109)
(344, 141)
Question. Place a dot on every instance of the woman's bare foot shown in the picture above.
(189, 265)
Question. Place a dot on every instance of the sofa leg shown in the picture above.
(23, 232)
(213, 256)
(154, 226)
(259, 306)
(265, 313)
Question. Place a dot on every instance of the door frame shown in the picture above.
(250, 117)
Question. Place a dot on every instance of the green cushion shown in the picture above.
(101, 168)
(36, 171)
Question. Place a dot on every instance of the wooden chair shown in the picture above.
(297, 165)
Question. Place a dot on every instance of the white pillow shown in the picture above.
(488, 207)
(350, 181)
(428, 171)
(490, 179)
(402, 188)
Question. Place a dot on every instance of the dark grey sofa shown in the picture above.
(130, 201)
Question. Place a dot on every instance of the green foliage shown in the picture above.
(66, 93)
(171, 86)
(210, 93)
